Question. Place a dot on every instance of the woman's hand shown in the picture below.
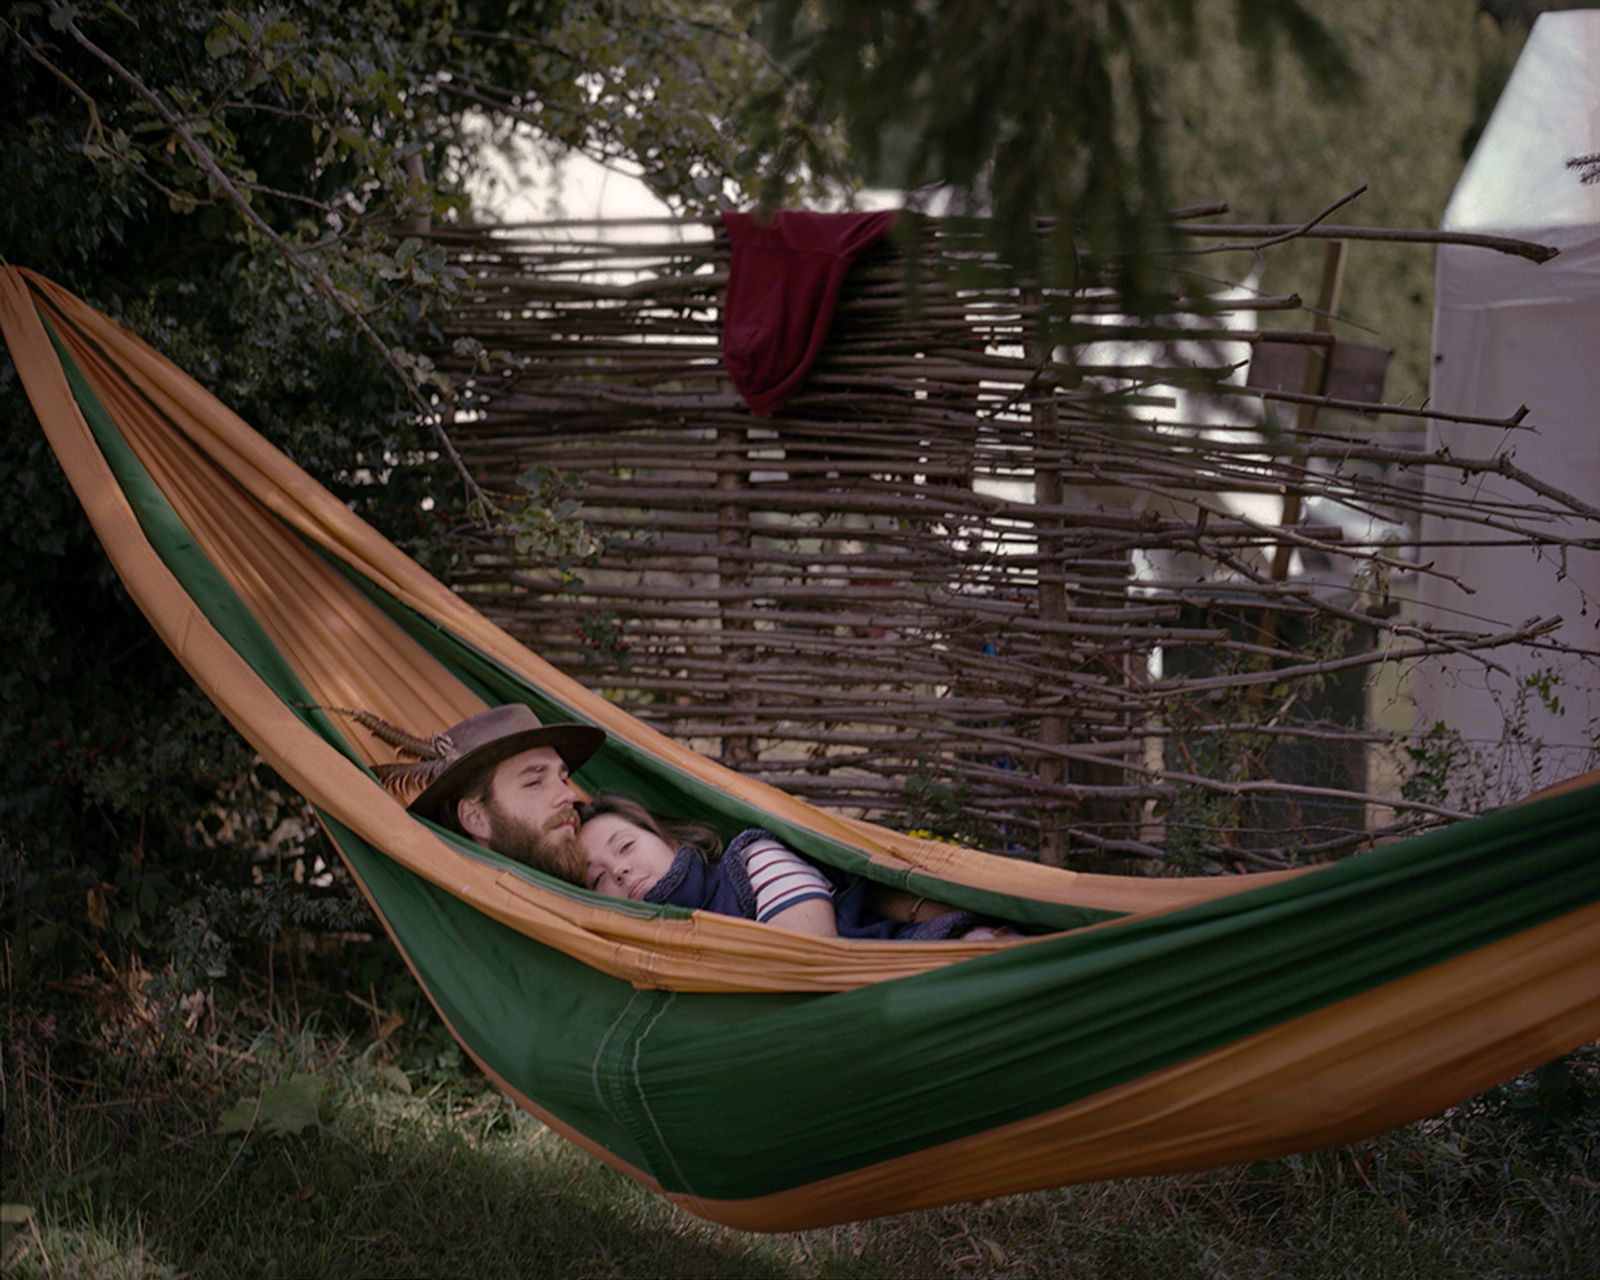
(907, 908)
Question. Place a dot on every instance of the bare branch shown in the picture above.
(203, 157)
(1294, 233)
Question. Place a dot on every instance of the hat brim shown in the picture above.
(575, 743)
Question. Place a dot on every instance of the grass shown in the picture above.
(359, 1156)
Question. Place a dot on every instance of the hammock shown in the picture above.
(759, 1077)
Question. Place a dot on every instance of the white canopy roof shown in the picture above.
(1517, 179)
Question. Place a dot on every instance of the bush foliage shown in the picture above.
(236, 184)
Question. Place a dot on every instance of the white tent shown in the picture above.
(1508, 332)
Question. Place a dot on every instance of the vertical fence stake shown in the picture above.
(1053, 607)
(738, 749)
(1317, 361)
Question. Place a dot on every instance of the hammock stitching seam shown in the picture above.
(644, 1103)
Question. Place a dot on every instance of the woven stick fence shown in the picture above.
(1055, 602)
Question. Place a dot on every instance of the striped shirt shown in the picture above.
(781, 878)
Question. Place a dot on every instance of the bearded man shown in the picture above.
(502, 778)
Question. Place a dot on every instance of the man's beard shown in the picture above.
(553, 848)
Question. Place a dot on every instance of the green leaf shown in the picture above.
(287, 1107)
(220, 43)
(12, 1214)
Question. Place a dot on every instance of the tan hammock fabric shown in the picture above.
(1393, 1053)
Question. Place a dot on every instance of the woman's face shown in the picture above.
(622, 859)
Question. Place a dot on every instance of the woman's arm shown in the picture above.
(814, 915)
(789, 891)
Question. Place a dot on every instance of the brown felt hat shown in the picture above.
(480, 742)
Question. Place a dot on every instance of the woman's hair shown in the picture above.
(697, 835)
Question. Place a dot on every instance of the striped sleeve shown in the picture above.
(781, 878)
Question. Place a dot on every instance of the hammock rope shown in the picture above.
(767, 1079)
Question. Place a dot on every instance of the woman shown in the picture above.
(629, 853)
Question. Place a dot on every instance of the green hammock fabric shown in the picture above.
(1331, 1003)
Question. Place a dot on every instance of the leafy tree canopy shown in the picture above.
(194, 138)
(1026, 109)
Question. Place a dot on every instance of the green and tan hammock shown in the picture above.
(759, 1077)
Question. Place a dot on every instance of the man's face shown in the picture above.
(527, 813)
